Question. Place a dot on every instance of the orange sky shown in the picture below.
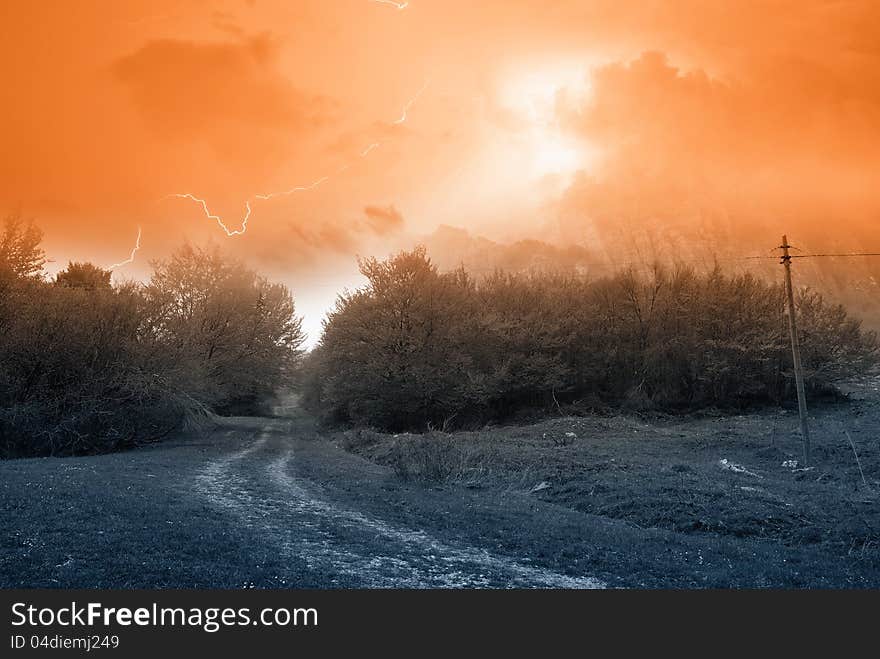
(562, 121)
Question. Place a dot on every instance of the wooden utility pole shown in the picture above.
(796, 351)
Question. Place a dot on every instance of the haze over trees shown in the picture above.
(416, 347)
(232, 334)
(87, 366)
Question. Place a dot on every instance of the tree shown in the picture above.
(235, 335)
(394, 353)
(20, 251)
(83, 275)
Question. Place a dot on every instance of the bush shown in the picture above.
(417, 348)
(432, 458)
(77, 376)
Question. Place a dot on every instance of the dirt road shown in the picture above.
(249, 504)
(259, 485)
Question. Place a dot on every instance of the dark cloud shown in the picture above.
(383, 220)
(225, 22)
(228, 95)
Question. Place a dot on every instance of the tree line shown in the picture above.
(417, 348)
(88, 366)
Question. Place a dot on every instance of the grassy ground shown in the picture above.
(125, 520)
(737, 478)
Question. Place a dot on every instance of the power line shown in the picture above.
(807, 256)
(693, 261)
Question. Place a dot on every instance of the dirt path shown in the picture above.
(259, 486)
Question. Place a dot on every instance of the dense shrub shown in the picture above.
(416, 347)
(87, 367)
(75, 376)
(430, 458)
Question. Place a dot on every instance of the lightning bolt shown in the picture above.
(399, 5)
(137, 246)
(217, 218)
(409, 104)
(300, 188)
(374, 145)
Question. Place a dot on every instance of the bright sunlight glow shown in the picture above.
(533, 98)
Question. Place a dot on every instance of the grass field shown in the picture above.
(735, 478)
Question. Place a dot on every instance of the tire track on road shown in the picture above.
(360, 549)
